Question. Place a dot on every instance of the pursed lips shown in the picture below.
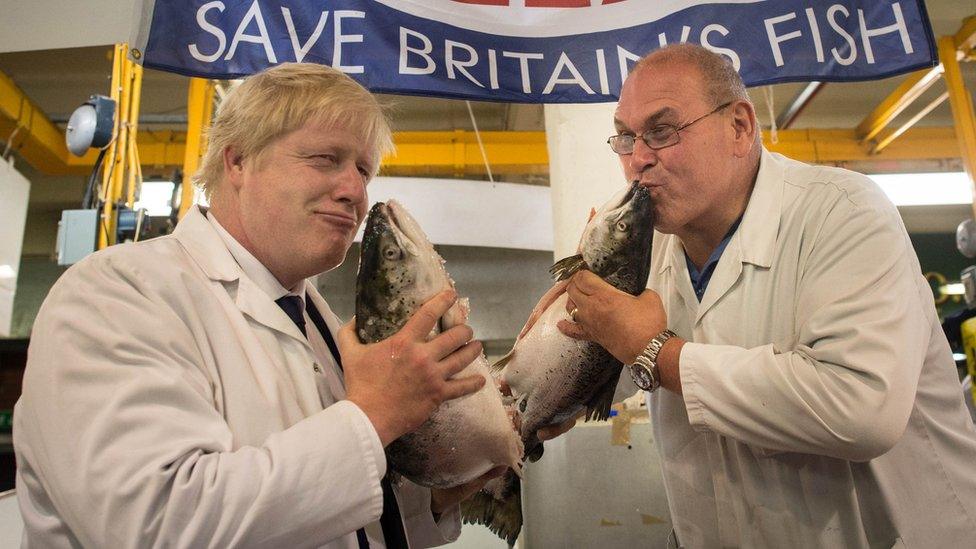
(340, 218)
(650, 184)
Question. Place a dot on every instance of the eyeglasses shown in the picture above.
(658, 137)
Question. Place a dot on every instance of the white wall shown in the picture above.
(459, 212)
(15, 190)
(52, 24)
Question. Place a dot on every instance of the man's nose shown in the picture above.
(351, 185)
(642, 158)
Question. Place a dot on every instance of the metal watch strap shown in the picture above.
(644, 370)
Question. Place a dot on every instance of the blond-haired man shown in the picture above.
(809, 397)
(187, 391)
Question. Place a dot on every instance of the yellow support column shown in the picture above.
(962, 109)
(113, 163)
(122, 173)
(134, 180)
(199, 107)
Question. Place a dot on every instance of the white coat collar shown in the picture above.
(760, 223)
(202, 242)
(253, 268)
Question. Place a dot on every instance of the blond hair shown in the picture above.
(282, 99)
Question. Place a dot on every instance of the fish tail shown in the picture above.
(498, 507)
(567, 267)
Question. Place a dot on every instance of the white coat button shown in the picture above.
(316, 368)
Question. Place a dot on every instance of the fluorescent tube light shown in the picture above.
(926, 189)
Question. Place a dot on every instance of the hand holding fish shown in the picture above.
(621, 323)
(400, 381)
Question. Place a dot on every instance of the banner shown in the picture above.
(545, 51)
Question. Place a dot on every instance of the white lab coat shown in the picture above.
(168, 401)
(821, 403)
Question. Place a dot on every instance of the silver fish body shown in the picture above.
(466, 437)
(553, 377)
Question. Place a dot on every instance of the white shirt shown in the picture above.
(821, 403)
(169, 401)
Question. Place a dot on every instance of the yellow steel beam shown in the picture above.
(29, 131)
(113, 166)
(962, 43)
(122, 174)
(200, 97)
(833, 146)
(457, 153)
(962, 109)
(134, 176)
(883, 143)
(903, 96)
(524, 153)
(965, 37)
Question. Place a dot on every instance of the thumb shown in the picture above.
(346, 337)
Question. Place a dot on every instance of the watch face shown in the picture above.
(641, 376)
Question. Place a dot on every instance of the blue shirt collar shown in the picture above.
(699, 279)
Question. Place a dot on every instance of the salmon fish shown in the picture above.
(554, 378)
(399, 270)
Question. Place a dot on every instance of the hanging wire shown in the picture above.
(768, 94)
(88, 200)
(477, 135)
(95, 188)
(10, 141)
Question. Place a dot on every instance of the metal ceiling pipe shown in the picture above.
(793, 110)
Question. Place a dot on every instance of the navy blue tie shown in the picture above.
(390, 520)
(292, 306)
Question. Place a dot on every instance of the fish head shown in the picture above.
(399, 270)
(616, 243)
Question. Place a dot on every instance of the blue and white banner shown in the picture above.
(548, 51)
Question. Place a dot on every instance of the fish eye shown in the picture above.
(391, 252)
(622, 226)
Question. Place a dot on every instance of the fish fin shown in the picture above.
(599, 405)
(567, 267)
(550, 297)
(502, 515)
(499, 365)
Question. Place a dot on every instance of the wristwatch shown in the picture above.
(644, 370)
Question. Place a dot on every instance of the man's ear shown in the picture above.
(745, 127)
(233, 165)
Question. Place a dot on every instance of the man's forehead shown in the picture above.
(657, 93)
(348, 135)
